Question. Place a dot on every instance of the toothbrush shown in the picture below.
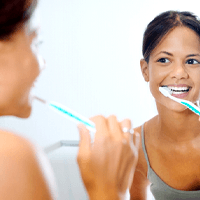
(69, 114)
(167, 93)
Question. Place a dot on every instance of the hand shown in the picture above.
(107, 166)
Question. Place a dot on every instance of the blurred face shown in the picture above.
(175, 63)
(19, 68)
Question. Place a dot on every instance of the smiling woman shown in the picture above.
(179, 67)
(169, 150)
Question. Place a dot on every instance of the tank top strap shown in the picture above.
(143, 146)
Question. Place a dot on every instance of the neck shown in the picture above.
(177, 127)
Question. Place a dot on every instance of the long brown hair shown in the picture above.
(13, 14)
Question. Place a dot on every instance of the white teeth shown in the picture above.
(178, 92)
(178, 88)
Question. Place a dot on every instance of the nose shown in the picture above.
(179, 72)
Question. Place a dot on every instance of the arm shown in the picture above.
(21, 177)
(139, 186)
(107, 166)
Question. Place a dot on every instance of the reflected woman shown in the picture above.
(169, 152)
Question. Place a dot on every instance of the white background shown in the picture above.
(92, 49)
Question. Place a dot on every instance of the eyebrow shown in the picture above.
(190, 55)
(170, 54)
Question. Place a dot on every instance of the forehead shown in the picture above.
(180, 39)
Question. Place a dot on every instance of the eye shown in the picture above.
(192, 62)
(163, 60)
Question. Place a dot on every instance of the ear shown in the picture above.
(144, 69)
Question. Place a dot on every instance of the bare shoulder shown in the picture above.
(142, 163)
(21, 177)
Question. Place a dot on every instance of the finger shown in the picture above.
(131, 178)
(114, 127)
(101, 126)
(126, 123)
(85, 141)
(136, 139)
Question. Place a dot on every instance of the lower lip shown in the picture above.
(183, 95)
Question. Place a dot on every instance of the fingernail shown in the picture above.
(80, 126)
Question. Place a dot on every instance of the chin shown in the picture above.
(25, 116)
(171, 105)
(25, 113)
(177, 107)
(15, 107)
(25, 108)
(22, 111)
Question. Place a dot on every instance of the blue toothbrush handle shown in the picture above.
(193, 108)
(72, 115)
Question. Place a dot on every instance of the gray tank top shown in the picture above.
(162, 191)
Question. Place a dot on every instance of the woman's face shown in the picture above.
(175, 63)
(19, 68)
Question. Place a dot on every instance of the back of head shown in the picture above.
(163, 24)
(13, 15)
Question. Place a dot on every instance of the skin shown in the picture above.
(19, 168)
(108, 165)
(19, 69)
(172, 137)
(113, 152)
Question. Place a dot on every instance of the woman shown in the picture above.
(169, 152)
(24, 169)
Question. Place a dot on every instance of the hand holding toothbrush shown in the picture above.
(107, 166)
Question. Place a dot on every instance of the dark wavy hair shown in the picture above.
(163, 24)
(13, 15)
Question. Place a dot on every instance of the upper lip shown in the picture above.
(177, 85)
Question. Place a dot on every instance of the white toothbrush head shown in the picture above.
(165, 91)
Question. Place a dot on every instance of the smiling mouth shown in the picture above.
(177, 90)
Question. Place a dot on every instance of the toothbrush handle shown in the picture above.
(72, 115)
(188, 104)
(192, 107)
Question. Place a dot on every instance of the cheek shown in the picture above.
(17, 77)
(156, 78)
(30, 69)
(10, 88)
(196, 85)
